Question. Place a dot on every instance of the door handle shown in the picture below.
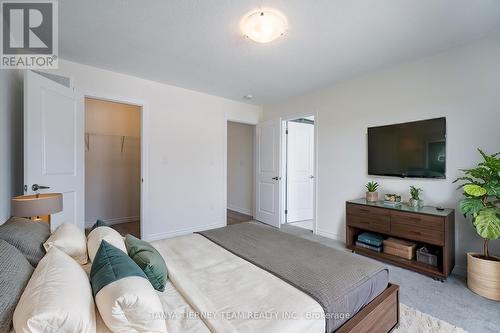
(36, 187)
(276, 178)
(311, 176)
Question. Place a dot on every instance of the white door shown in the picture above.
(300, 172)
(267, 188)
(54, 127)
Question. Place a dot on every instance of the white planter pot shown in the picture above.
(371, 196)
(415, 203)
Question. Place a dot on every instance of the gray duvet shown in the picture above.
(341, 282)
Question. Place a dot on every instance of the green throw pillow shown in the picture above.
(99, 223)
(149, 260)
(111, 264)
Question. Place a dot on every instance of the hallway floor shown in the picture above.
(236, 217)
(307, 224)
(133, 228)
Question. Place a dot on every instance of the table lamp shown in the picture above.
(37, 207)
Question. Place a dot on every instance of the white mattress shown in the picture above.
(178, 314)
(235, 295)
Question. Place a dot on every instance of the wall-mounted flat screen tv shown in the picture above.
(415, 149)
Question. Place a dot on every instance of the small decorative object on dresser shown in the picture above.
(392, 199)
(372, 194)
(481, 186)
(415, 200)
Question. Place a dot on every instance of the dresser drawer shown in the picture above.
(369, 218)
(360, 210)
(429, 229)
(374, 223)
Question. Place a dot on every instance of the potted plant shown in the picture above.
(481, 188)
(415, 200)
(372, 194)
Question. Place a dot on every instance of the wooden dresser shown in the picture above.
(424, 226)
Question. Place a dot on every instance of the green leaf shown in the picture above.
(479, 172)
(474, 190)
(372, 186)
(492, 162)
(487, 223)
(493, 189)
(471, 206)
(469, 179)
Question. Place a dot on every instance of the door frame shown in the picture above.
(144, 147)
(283, 165)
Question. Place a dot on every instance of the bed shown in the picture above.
(252, 278)
(237, 274)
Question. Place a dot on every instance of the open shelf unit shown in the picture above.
(402, 262)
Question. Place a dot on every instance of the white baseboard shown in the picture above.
(180, 232)
(118, 220)
(460, 270)
(329, 234)
(240, 210)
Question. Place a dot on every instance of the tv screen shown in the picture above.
(415, 149)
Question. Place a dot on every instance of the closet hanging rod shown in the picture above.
(112, 135)
(122, 139)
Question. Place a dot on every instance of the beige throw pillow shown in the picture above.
(69, 239)
(110, 235)
(57, 298)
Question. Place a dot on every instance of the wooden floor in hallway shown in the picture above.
(236, 217)
(133, 228)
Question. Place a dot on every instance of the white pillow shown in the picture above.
(131, 304)
(69, 239)
(110, 235)
(57, 298)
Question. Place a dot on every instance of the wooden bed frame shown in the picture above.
(380, 315)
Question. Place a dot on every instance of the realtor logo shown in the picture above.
(29, 34)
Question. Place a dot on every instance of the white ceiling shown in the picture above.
(196, 44)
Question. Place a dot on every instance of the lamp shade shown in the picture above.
(36, 205)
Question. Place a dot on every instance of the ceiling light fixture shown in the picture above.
(264, 25)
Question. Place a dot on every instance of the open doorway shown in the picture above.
(113, 165)
(240, 172)
(299, 170)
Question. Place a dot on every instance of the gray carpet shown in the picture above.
(450, 301)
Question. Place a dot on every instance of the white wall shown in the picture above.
(185, 133)
(11, 138)
(462, 84)
(112, 175)
(240, 167)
